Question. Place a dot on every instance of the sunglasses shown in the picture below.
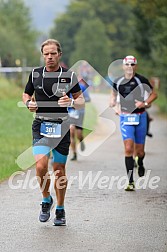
(130, 64)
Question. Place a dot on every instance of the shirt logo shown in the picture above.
(63, 80)
(39, 87)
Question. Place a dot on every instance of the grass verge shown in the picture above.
(162, 103)
(90, 119)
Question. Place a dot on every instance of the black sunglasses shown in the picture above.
(130, 64)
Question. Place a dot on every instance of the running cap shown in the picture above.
(130, 59)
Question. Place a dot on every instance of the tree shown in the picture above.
(159, 48)
(150, 20)
(118, 21)
(67, 25)
(114, 16)
(92, 45)
(17, 38)
(131, 26)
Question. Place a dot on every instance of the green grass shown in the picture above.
(90, 119)
(8, 89)
(15, 127)
(162, 103)
(15, 130)
(15, 135)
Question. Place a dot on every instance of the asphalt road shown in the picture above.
(101, 216)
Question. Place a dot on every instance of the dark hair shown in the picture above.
(51, 41)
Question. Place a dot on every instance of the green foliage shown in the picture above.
(90, 119)
(67, 25)
(162, 102)
(151, 39)
(129, 27)
(92, 45)
(132, 27)
(116, 20)
(15, 134)
(159, 48)
(17, 38)
(5, 87)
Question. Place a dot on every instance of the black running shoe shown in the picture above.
(45, 211)
(74, 157)
(149, 134)
(141, 171)
(59, 220)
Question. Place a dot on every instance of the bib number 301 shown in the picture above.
(49, 129)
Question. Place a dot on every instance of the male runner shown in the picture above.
(136, 94)
(51, 85)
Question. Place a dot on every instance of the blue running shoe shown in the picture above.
(45, 211)
(59, 220)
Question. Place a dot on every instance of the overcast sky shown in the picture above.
(45, 11)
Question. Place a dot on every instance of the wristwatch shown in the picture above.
(146, 104)
(72, 103)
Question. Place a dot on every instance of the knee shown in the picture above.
(41, 169)
(140, 153)
(59, 171)
(129, 150)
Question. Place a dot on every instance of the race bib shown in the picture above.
(50, 129)
(131, 119)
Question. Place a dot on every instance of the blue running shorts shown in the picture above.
(59, 146)
(135, 132)
(45, 150)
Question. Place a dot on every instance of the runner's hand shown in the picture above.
(64, 101)
(32, 106)
(139, 104)
(112, 104)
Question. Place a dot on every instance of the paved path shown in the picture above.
(103, 218)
